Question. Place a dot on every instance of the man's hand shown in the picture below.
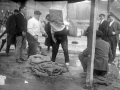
(45, 35)
(54, 40)
(23, 33)
(113, 33)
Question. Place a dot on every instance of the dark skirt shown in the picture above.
(48, 40)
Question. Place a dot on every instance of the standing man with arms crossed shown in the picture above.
(21, 23)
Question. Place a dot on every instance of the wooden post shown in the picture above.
(108, 6)
(91, 42)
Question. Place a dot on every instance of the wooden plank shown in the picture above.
(91, 42)
(108, 6)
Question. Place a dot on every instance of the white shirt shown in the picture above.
(111, 23)
(102, 21)
(35, 27)
(56, 27)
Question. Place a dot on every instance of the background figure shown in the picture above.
(113, 34)
(34, 30)
(43, 23)
(103, 26)
(48, 40)
(21, 23)
(103, 55)
(86, 33)
(59, 36)
(11, 31)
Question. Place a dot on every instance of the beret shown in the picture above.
(37, 12)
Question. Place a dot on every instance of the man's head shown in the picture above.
(37, 14)
(102, 16)
(99, 34)
(22, 9)
(16, 11)
(110, 18)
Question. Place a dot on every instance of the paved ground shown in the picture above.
(82, 42)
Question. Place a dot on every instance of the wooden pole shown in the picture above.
(91, 42)
(108, 6)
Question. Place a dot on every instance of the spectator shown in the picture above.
(48, 40)
(10, 30)
(35, 29)
(103, 55)
(21, 23)
(113, 34)
(103, 26)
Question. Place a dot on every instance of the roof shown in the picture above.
(69, 1)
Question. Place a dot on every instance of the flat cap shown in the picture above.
(37, 12)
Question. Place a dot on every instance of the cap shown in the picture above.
(37, 12)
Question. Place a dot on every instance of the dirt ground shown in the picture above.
(17, 74)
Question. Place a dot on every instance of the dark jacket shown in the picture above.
(115, 27)
(11, 25)
(21, 23)
(103, 27)
(103, 55)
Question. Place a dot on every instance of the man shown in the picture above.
(113, 34)
(11, 31)
(103, 55)
(35, 29)
(103, 26)
(59, 36)
(21, 24)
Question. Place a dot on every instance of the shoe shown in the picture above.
(67, 64)
(19, 61)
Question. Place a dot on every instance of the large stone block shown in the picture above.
(58, 11)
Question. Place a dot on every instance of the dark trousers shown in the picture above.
(113, 42)
(61, 39)
(99, 72)
(7, 46)
(32, 45)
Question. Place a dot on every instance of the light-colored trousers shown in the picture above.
(20, 46)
